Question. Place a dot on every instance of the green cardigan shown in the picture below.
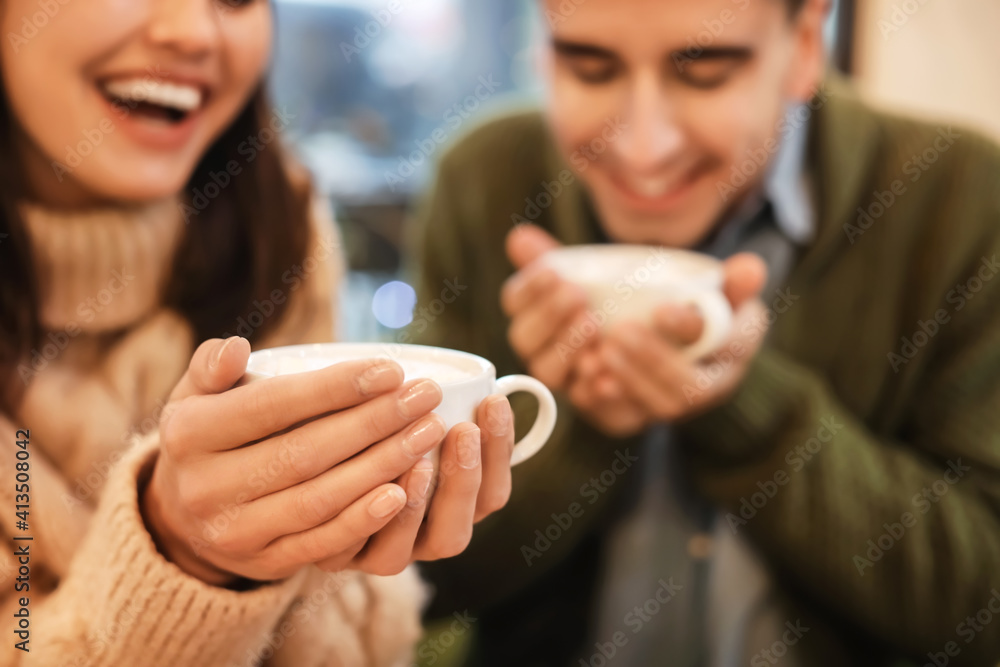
(861, 454)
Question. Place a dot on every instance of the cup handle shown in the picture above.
(717, 315)
(540, 431)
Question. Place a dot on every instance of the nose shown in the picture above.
(652, 137)
(189, 27)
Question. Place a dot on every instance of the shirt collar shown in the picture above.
(786, 185)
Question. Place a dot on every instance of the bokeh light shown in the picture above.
(393, 304)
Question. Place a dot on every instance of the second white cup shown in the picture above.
(630, 281)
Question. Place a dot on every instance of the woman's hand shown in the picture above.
(259, 480)
(636, 374)
(470, 486)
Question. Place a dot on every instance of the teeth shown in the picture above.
(650, 187)
(173, 95)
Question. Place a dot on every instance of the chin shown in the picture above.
(133, 190)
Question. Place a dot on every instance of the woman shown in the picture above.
(146, 208)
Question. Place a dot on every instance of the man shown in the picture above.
(825, 488)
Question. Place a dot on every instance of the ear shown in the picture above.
(809, 50)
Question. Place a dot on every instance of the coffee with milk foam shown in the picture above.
(441, 372)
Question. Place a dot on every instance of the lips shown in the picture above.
(160, 100)
(156, 112)
(656, 194)
(649, 187)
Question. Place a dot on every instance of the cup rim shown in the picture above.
(379, 350)
(561, 259)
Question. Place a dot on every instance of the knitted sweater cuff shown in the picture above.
(745, 428)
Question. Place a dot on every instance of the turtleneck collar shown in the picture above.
(102, 269)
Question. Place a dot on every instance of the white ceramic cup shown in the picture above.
(631, 281)
(465, 380)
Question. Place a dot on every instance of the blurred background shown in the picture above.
(377, 89)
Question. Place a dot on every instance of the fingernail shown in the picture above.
(609, 388)
(631, 338)
(546, 278)
(614, 358)
(420, 483)
(217, 357)
(468, 449)
(387, 503)
(672, 315)
(419, 398)
(379, 378)
(669, 315)
(500, 417)
(424, 436)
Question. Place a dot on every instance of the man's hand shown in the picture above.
(549, 326)
(635, 374)
(645, 367)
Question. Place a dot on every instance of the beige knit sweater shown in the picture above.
(100, 593)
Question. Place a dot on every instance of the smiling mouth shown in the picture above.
(657, 193)
(162, 101)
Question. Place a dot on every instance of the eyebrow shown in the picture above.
(715, 53)
(579, 49)
(583, 50)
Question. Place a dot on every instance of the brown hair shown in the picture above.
(235, 250)
(794, 6)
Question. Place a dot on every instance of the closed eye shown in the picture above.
(712, 67)
(590, 64)
(237, 4)
(592, 70)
